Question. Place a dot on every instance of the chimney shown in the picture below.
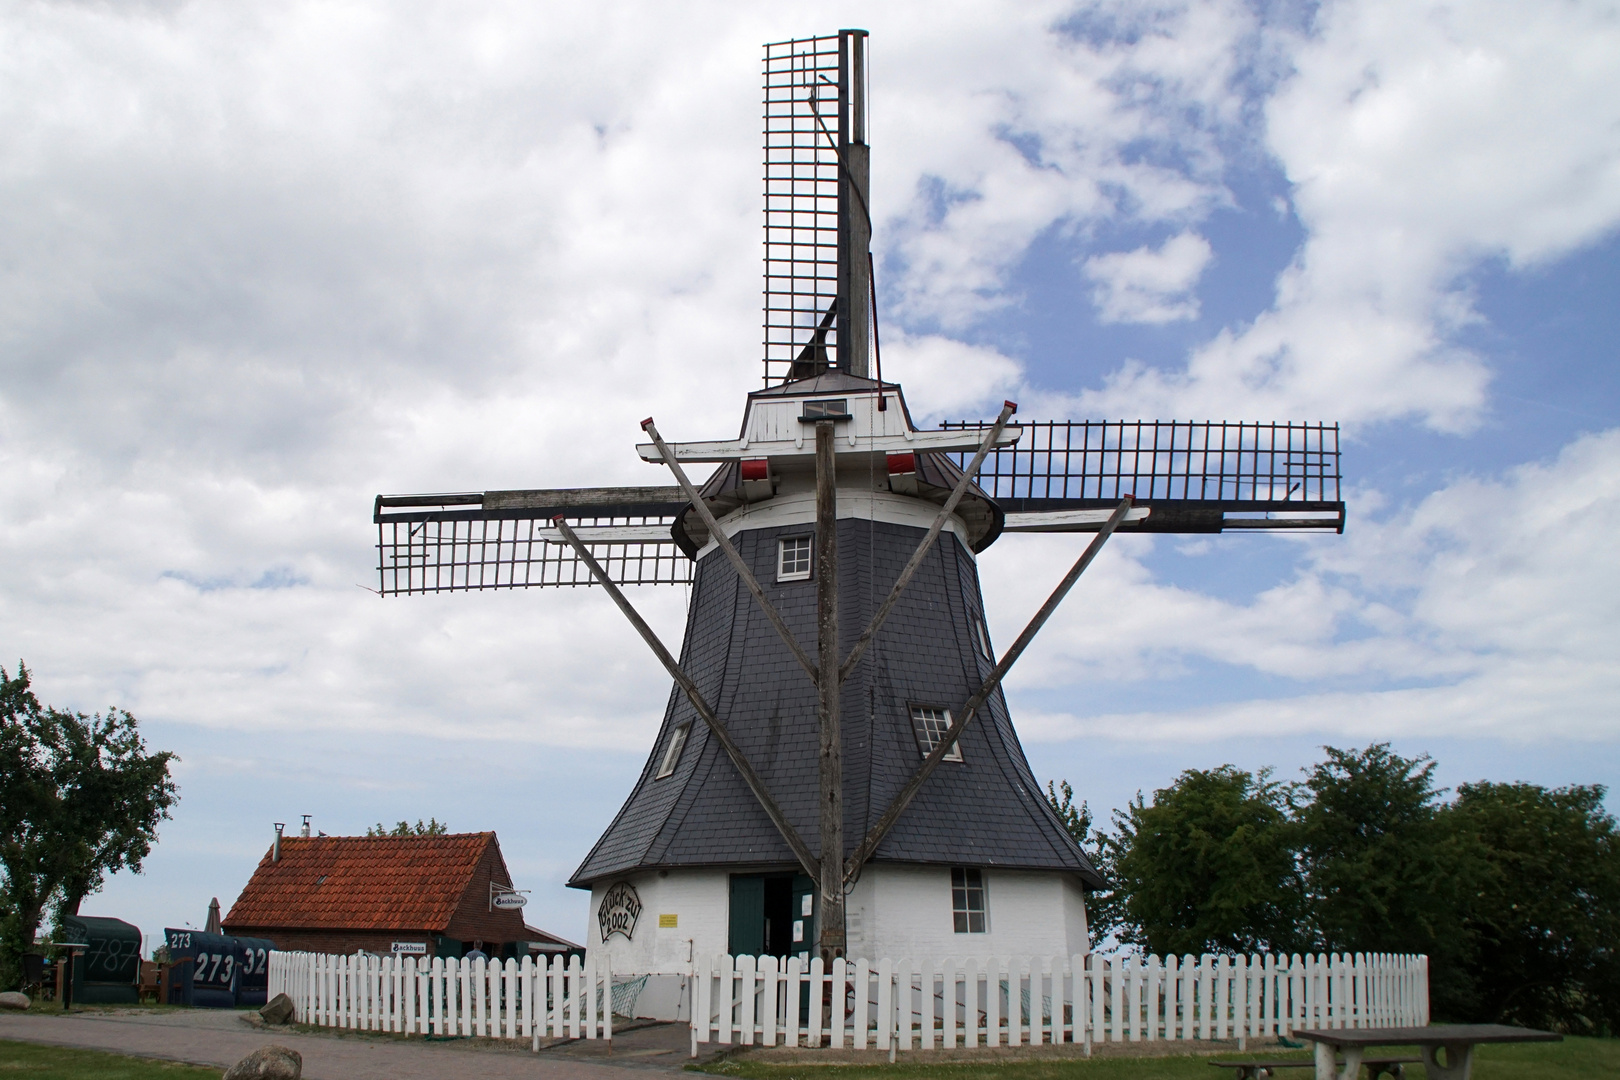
(305, 830)
(275, 851)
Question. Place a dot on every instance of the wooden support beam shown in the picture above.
(882, 613)
(830, 925)
(719, 536)
(875, 835)
(755, 782)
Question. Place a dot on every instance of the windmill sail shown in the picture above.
(1059, 476)
(817, 229)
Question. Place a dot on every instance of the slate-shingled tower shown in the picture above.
(831, 508)
(692, 838)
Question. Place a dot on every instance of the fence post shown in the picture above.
(887, 999)
(791, 995)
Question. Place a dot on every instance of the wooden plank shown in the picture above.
(915, 442)
(607, 501)
(1068, 521)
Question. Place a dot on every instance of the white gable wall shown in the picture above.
(905, 911)
(893, 911)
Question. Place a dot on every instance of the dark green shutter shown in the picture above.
(747, 915)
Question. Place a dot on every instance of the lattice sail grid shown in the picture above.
(803, 81)
(1266, 464)
(462, 554)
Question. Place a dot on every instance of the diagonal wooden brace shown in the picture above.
(730, 549)
(756, 784)
(875, 836)
(882, 613)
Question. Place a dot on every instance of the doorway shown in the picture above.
(772, 915)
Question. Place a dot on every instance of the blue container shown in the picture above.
(252, 970)
(209, 980)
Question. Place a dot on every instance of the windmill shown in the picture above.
(819, 748)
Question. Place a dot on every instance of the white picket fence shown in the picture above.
(889, 1005)
(525, 999)
(901, 1005)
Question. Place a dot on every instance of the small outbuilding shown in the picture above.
(405, 895)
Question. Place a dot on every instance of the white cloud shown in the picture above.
(1150, 285)
(1049, 130)
(1499, 598)
(1420, 139)
(947, 379)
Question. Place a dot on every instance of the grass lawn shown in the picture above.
(1573, 1059)
(35, 1062)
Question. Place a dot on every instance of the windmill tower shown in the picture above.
(836, 768)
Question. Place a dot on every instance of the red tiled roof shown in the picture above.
(361, 882)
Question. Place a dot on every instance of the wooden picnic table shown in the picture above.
(1458, 1041)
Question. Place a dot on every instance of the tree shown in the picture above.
(1543, 922)
(1381, 876)
(1208, 866)
(434, 827)
(80, 798)
(1103, 906)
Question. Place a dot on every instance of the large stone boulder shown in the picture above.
(12, 999)
(268, 1063)
(278, 1010)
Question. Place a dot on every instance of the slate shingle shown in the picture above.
(986, 810)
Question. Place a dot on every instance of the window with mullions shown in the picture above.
(672, 756)
(930, 725)
(967, 900)
(793, 558)
(836, 409)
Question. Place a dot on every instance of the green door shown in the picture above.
(747, 936)
(772, 915)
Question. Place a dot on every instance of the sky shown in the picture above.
(260, 262)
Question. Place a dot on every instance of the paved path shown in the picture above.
(218, 1037)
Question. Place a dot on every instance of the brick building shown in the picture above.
(424, 895)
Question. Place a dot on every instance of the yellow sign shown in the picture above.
(666, 922)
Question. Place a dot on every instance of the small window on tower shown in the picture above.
(672, 756)
(793, 558)
(967, 900)
(835, 408)
(930, 724)
(981, 636)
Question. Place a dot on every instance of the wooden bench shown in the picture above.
(1376, 1067)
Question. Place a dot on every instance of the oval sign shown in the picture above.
(508, 901)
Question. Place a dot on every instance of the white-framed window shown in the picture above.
(793, 558)
(833, 407)
(672, 755)
(981, 635)
(930, 723)
(968, 910)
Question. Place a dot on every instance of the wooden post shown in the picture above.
(854, 219)
(830, 921)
